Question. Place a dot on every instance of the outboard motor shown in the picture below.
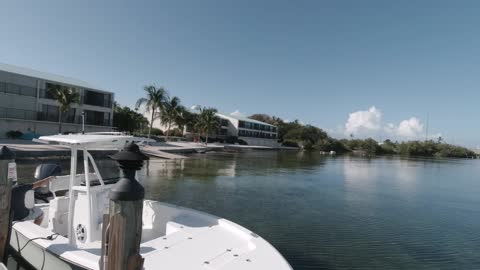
(41, 172)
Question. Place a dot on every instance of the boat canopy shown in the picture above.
(93, 140)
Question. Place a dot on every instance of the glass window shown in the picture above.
(97, 99)
(28, 91)
(69, 117)
(13, 88)
(49, 113)
(3, 87)
(97, 118)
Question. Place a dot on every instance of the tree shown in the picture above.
(126, 119)
(171, 113)
(207, 122)
(154, 102)
(65, 96)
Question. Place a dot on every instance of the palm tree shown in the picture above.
(65, 96)
(154, 102)
(171, 113)
(207, 122)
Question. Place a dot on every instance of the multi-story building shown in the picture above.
(27, 106)
(251, 131)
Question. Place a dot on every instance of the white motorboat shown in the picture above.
(173, 237)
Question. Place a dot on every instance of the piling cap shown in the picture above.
(131, 152)
(130, 159)
(127, 189)
(6, 154)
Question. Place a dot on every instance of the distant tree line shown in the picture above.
(313, 138)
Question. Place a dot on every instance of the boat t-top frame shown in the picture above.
(85, 143)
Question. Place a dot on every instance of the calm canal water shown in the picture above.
(333, 212)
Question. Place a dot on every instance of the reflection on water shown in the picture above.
(332, 212)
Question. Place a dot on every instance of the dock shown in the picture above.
(155, 152)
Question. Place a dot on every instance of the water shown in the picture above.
(333, 213)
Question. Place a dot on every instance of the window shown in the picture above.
(97, 99)
(224, 122)
(3, 87)
(69, 117)
(97, 118)
(13, 88)
(44, 93)
(28, 91)
(49, 113)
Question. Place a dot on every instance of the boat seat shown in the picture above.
(58, 215)
(59, 183)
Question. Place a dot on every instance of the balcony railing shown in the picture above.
(41, 116)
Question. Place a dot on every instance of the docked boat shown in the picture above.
(173, 237)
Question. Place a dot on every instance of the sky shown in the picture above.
(381, 69)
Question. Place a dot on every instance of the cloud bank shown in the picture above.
(369, 123)
(363, 122)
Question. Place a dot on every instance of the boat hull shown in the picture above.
(173, 237)
(37, 256)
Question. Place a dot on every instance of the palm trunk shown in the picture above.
(151, 124)
(168, 131)
(60, 122)
(206, 139)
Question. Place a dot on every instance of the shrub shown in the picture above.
(155, 132)
(231, 139)
(290, 144)
(14, 134)
(242, 142)
(176, 132)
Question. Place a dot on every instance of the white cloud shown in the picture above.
(238, 114)
(410, 128)
(364, 122)
(368, 123)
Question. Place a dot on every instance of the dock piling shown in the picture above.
(8, 174)
(122, 231)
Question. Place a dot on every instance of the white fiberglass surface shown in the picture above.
(172, 234)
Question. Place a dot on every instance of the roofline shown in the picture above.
(246, 119)
(48, 77)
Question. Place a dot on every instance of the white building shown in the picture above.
(27, 106)
(251, 131)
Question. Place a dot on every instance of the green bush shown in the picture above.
(144, 132)
(231, 139)
(242, 142)
(290, 144)
(14, 134)
(176, 132)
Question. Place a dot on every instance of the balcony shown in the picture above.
(46, 117)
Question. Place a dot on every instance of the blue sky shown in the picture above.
(327, 63)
